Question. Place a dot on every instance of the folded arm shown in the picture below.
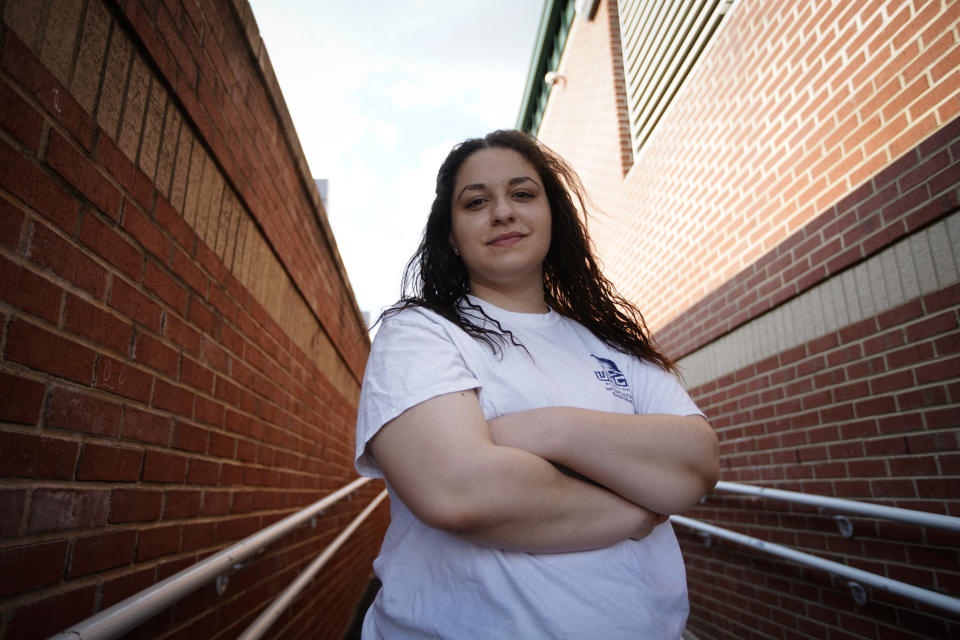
(665, 463)
(441, 460)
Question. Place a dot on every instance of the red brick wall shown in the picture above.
(180, 351)
(866, 412)
(806, 145)
(786, 112)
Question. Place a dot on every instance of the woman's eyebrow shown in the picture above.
(479, 186)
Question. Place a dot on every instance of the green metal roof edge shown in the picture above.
(535, 86)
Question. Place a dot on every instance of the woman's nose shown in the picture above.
(502, 212)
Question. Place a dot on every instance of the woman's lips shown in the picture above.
(506, 240)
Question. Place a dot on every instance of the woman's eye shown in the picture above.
(476, 202)
(523, 195)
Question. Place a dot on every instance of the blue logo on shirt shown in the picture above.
(613, 379)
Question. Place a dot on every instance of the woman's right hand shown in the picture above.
(652, 520)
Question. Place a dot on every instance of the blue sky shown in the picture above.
(379, 92)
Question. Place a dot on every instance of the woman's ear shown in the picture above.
(453, 246)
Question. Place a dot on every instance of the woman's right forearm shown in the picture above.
(442, 463)
(531, 506)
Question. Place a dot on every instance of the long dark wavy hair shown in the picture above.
(436, 278)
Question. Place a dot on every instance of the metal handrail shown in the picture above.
(126, 614)
(271, 613)
(911, 516)
(880, 582)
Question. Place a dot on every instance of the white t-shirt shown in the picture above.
(438, 586)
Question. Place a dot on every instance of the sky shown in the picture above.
(379, 92)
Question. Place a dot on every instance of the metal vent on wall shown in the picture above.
(661, 41)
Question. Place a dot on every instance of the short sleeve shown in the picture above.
(658, 391)
(413, 358)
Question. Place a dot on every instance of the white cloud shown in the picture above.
(379, 93)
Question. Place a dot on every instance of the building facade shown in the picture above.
(180, 348)
(776, 187)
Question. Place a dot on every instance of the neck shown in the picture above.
(520, 300)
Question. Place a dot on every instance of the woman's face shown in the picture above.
(500, 219)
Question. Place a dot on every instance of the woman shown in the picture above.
(531, 435)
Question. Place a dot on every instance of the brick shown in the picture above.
(120, 588)
(227, 391)
(190, 438)
(173, 36)
(33, 456)
(111, 246)
(34, 77)
(28, 567)
(939, 370)
(156, 355)
(197, 376)
(883, 342)
(159, 466)
(910, 355)
(210, 260)
(211, 353)
(124, 171)
(11, 225)
(932, 326)
(203, 472)
(913, 466)
(173, 222)
(131, 302)
(106, 463)
(100, 552)
(230, 474)
(224, 303)
(19, 118)
(922, 398)
(74, 409)
(134, 106)
(187, 269)
(13, 504)
(182, 335)
(216, 502)
(54, 509)
(947, 345)
(892, 381)
(135, 505)
(209, 411)
(198, 535)
(157, 281)
(32, 293)
(146, 427)
(25, 180)
(123, 379)
(201, 315)
(246, 451)
(87, 320)
(90, 56)
(222, 445)
(942, 299)
(900, 315)
(160, 541)
(79, 171)
(935, 489)
(146, 232)
(50, 250)
(20, 399)
(173, 398)
(47, 615)
(182, 503)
